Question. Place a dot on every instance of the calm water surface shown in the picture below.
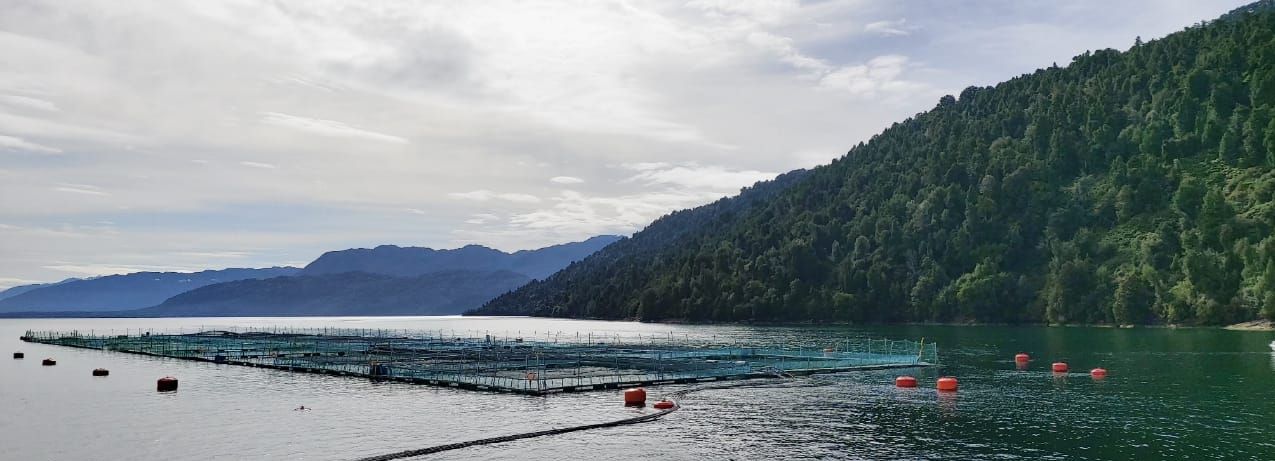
(1171, 394)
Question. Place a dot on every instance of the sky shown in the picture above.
(191, 134)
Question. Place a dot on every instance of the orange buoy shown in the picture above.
(1021, 357)
(166, 384)
(635, 397)
(100, 372)
(1060, 367)
(905, 381)
(1098, 373)
(664, 404)
(49, 362)
(947, 384)
(19, 355)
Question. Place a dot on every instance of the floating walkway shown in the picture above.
(517, 365)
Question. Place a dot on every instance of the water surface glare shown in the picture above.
(1170, 394)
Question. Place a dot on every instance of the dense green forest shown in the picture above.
(1131, 187)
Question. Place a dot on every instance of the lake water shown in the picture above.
(1170, 394)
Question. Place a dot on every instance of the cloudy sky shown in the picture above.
(190, 134)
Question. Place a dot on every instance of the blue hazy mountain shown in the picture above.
(20, 289)
(386, 280)
(414, 261)
(347, 293)
(125, 292)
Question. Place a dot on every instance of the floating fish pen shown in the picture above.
(527, 366)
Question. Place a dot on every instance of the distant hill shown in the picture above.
(20, 289)
(349, 293)
(1128, 187)
(386, 280)
(414, 261)
(125, 292)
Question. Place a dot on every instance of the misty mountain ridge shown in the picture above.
(415, 261)
(125, 291)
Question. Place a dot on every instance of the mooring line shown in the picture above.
(674, 397)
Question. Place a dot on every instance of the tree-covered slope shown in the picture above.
(1126, 187)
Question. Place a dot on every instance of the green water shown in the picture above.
(1170, 394)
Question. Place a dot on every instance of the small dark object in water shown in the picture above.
(49, 362)
(166, 384)
(101, 372)
(19, 355)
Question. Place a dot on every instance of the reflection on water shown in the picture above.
(1175, 394)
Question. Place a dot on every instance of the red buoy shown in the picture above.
(1021, 357)
(905, 381)
(947, 384)
(49, 362)
(1060, 367)
(1098, 373)
(664, 404)
(635, 397)
(100, 372)
(166, 384)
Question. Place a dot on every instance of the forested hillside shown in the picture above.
(1125, 187)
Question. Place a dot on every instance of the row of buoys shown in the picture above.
(1058, 367)
(165, 384)
(946, 383)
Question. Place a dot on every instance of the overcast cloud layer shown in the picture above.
(181, 135)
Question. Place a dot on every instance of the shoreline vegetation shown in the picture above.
(1254, 325)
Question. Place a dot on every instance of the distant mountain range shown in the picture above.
(347, 293)
(20, 289)
(124, 292)
(414, 261)
(386, 280)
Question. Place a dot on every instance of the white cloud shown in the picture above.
(98, 270)
(18, 144)
(691, 175)
(482, 218)
(879, 75)
(483, 195)
(83, 189)
(262, 165)
(565, 180)
(214, 254)
(896, 28)
(28, 102)
(326, 127)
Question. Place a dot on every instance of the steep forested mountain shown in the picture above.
(1126, 187)
(124, 292)
(414, 261)
(350, 293)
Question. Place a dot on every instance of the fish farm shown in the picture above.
(506, 364)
